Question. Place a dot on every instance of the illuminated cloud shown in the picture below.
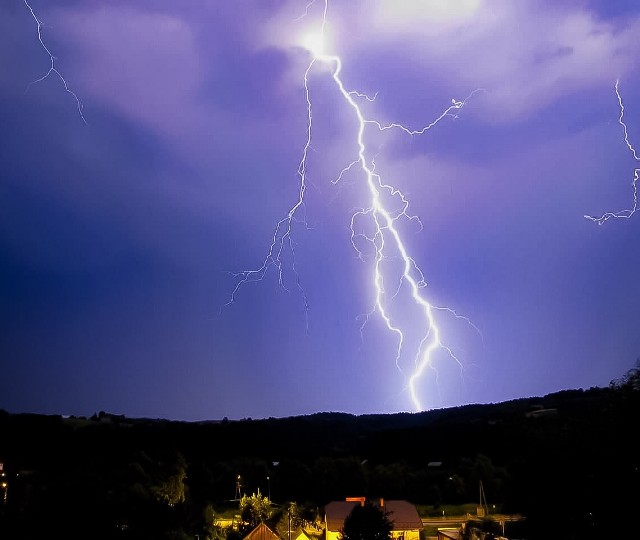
(153, 65)
(429, 17)
(526, 58)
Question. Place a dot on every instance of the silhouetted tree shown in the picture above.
(631, 380)
(367, 522)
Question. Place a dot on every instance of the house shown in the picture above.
(299, 534)
(404, 516)
(261, 532)
(537, 413)
(448, 533)
(334, 515)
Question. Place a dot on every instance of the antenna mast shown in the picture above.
(483, 501)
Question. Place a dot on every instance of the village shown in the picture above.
(405, 523)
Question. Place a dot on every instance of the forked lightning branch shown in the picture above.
(384, 239)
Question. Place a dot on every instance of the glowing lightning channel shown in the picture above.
(385, 237)
(626, 214)
(52, 68)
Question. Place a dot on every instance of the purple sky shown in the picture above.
(120, 236)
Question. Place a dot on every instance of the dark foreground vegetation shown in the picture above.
(569, 462)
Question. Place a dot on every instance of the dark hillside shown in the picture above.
(566, 460)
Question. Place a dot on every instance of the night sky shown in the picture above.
(131, 204)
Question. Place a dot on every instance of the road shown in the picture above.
(456, 521)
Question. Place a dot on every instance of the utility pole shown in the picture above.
(238, 486)
(483, 501)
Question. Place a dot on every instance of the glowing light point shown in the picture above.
(314, 43)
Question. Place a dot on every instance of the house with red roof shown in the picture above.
(402, 514)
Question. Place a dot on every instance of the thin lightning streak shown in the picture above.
(282, 233)
(447, 112)
(625, 214)
(385, 238)
(306, 10)
(365, 96)
(52, 68)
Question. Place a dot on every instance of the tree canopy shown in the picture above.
(367, 522)
(254, 510)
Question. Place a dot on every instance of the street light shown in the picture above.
(269, 488)
(238, 487)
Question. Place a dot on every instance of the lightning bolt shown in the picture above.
(626, 214)
(53, 70)
(375, 235)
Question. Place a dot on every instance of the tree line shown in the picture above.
(566, 460)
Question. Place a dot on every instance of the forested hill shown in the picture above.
(571, 451)
(445, 435)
